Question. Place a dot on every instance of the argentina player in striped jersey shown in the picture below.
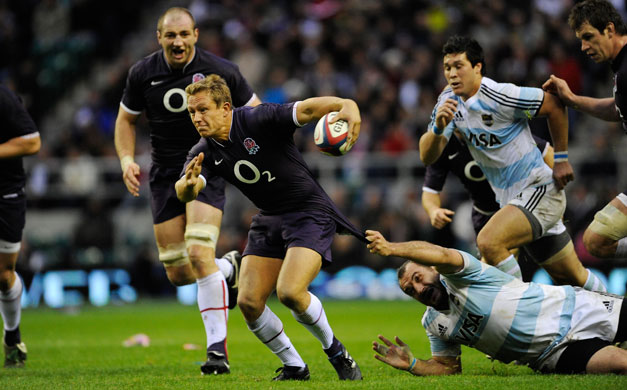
(603, 36)
(553, 329)
(492, 119)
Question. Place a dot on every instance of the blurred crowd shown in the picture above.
(383, 54)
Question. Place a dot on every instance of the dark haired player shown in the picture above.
(603, 36)
(19, 137)
(492, 119)
(186, 235)
(290, 238)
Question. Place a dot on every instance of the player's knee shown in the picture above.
(486, 247)
(251, 307)
(179, 279)
(290, 296)
(596, 245)
(6, 276)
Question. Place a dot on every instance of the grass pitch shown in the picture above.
(83, 350)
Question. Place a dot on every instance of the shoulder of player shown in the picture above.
(446, 93)
(148, 66)
(206, 57)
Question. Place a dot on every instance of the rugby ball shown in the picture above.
(330, 138)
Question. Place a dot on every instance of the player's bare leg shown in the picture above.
(10, 308)
(608, 360)
(565, 268)
(300, 268)
(508, 228)
(257, 281)
(606, 235)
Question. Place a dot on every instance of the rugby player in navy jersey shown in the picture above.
(186, 235)
(290, 238)
(19, 137)
(603, 36)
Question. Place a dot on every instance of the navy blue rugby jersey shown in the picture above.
(456, 158)
(17, 123)
(152, 86)
(261, 160)
(619, 66)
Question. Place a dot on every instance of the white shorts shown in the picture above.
(544, 207)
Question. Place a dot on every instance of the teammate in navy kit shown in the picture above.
(290, 239)
(456, 158)
(19, 137)
(603, 36)
(186, 235)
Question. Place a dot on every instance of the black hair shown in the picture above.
(462, 44)
(598, 13)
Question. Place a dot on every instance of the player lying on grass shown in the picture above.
(553, 329)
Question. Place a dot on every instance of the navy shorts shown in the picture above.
(164, 203)
(272, 235)
(12, 216)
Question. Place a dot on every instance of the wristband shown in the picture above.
(412, 365)
(125, 161)
(560, 156)
(436, 131)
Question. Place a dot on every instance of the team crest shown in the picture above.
(197, 77)
(251, 145)
(487, 119)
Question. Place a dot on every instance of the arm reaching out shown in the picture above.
(400, 357)
(189, 186)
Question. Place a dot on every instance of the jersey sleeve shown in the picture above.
(516, 102)
(18, 121)
(133, 100)
(440, 347)
(280, 119)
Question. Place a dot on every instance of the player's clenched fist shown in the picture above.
(445, 113)
(378, 243)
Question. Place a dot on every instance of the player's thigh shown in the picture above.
(201, 235)
(508, 227)
(563, 264)
(608, 360)
(300, 268)
(257, 280)
(609, 224)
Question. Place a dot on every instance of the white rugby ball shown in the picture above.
(330, 138)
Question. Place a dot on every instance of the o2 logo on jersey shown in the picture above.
(256, 175)
(475, 174)
(167, 100)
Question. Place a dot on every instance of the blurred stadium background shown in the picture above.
(68, 60)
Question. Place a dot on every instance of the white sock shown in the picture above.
(213, 298)
(269, 329)
(225, 267)
(621, 249)
(11, 305)
(315, 320)
(593, 283)
(510, 266)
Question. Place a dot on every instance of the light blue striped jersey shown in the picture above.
(511, 320)
(494, 123)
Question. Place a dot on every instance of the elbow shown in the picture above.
(32, 146)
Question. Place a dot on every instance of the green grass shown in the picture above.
(83, 350)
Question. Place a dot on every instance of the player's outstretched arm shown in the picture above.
(189, 186)
(20, 146)
(554, 110)
(400, 357)
(315, 108)
(445, 260)
(125, 147)
(601, 108)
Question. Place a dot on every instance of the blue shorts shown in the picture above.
(164, 203)
(272, 235)
(12, 216)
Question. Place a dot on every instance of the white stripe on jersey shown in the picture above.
(495, 126)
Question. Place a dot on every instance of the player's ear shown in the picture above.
(226, 108)
(610, 29)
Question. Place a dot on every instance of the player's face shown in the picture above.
(597, 45)
(177, 38)
(423, 284)
(462, 77)
(209, 119)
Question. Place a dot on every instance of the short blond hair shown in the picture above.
(216, 88)
(175, 10)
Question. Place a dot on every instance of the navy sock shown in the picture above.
(12, 337)
(335, 349)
